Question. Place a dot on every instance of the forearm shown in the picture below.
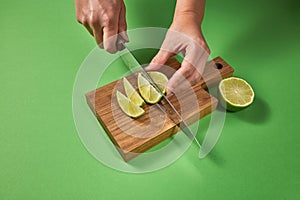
(193, 9)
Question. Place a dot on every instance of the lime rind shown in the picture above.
(132, 94)
(128, 107)
(235, 93)
(147, 91)
(159, 79)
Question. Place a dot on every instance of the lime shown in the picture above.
(235, 93)
(128, 107)
(159, 79)
(132, 94)
(147, 91)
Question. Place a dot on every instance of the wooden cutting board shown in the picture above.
(134, 136)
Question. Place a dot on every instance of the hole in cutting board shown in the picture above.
(218, 66)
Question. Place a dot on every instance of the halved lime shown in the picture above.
(147, 91)
(128, 107)
(235, 93)
(132, 94)
(159, 79)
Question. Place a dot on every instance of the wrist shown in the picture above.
(192, 10)
(186, 21)
(188, 16)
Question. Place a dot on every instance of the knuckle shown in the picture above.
(188, 67)
(107, 20)
(94, 20)
(207, 50)
(104, 21)
(155, 59)
(196, 76)
(105, 16)
(186, 72)
(80, 19)
(113, 6)
(79, 16)
(201, 42)
(198, 41)
(84, 21)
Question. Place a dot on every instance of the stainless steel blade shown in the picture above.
(131, 62)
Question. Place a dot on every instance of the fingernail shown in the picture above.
(169, 92)
(148, 67)
(124, 36)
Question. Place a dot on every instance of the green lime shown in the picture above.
(128, 107)
(132, 94)
(159, 79)
(235, 93)
(147, 91)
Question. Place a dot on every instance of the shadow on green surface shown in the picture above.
(215, 157)
(258, 113)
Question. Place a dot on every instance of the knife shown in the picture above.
(131, 62)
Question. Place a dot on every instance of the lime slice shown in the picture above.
(128, 107)
(132, 94)
(147, 91)
(235, 93)
(159, 79)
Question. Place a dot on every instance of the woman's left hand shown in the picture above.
(184, 36)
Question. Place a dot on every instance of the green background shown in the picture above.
(41, 156)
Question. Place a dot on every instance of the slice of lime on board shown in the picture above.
(128, 107)
(132, 94)
(235, 93)
(147, 91)
(159, 79)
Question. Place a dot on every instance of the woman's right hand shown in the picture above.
(104, 19)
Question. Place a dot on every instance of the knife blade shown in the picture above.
(131, 62)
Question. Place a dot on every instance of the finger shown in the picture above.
(201, 65)
(194, 78)
(184, 84)
(110, 31)
(181, 75)
(123, 24)
(84, 22)
(98, 35)
(120, 43)
(204, 44)
(161, 57)
(88, 28)
(153, 66)
(95, 29)
(197, 54)
(159, 60)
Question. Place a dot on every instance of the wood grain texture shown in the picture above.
(134, 136)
